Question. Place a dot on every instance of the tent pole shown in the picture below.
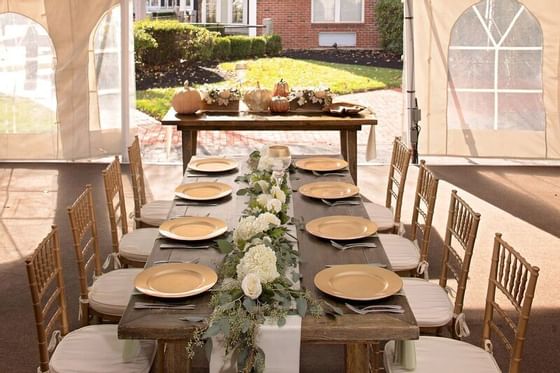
(125, 78)
(412, 112)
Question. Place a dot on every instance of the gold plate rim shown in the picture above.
(322, 278)
(141, 280)
(306, 189)
(165, 228)
(301, 163)
(231, 164)
(225, 190)
(312, 227)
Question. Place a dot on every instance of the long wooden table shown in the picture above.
(189, 125)
(355, 331)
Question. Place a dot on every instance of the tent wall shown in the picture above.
(70, 24)
(433, 23)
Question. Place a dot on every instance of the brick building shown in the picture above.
(302, 24)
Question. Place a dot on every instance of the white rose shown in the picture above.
(278, 193)
(251, 286)
(264, 185)
(263, 199)
(274, 205)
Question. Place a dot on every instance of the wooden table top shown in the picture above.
(256, 121)
(314, 254)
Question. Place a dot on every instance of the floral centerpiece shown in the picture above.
(220, 99)
(259, 277)
(310, 99)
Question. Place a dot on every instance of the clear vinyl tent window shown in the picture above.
(495, 69)
(27, 67)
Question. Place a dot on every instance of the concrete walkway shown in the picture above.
(163, 144)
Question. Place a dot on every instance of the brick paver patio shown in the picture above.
(163, 144)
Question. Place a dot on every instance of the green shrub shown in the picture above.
(222, 49)
(389, 17)
(240, 46)
(273, 45)
(175, 41)
(143, 42)
(258, 46)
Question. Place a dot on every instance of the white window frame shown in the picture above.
(337, 4)
(496, 46)
(229, 13)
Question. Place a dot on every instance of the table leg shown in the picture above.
(357, 358)
(188, 146)
(344, 144)
(194, 141)
(176, 357)
(352, 150)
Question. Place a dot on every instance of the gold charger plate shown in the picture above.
(358, 282)
(192, 228)
(175, 280)
(341, 227)
(321, 164)
(213, 164)
(329, 190)
(203, 191)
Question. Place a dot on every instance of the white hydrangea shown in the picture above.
(274, 205)
(266, 221)
(278, 193)
(245, 229)
(262, 199)
(259, 260)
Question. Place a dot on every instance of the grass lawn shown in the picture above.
(341, 78)
(28, 116)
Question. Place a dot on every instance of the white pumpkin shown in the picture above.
(187, 101)
(258, 99)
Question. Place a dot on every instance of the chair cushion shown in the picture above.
(110, 293)
(444, 355)
(95, 348)
(137, 244)
(155, 212)
(403, 254)
(428, 301)
(380, 215)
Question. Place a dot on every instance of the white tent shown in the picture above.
(486, 75)
(60, 96)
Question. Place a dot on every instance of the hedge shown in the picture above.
(389, 15)
(163, 42)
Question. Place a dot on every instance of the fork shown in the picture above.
(151, 306)
(387, 308)
(380, 265)
(188, 203)
(194, 260)
(316, 173)
(338, 246)
(340, 202)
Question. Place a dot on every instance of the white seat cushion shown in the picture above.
(380, 215)
(155, 212)
(110, 293)
(429, 303)
(444, 355)
(137, 244)
(95, 348)
(403, 254)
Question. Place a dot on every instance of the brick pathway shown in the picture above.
(163, 144)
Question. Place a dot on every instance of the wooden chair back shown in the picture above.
(114, 193)
(458, 245)
(44, 272)
(400, 159)
(516, 280)
(137, 174)
(86, 246)
(424, 206)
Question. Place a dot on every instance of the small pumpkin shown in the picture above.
(279, 104)
(258, 99)
(187, 101)
(281, 88)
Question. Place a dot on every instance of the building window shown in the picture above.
(495, 69)
(224, 11)
(332, 11)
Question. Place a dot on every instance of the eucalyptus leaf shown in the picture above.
(242, 192)
(301, 304)
(281, 321)
(193, 318)
(242, 357)
(224, 246)
(249, 304)
(211, 331)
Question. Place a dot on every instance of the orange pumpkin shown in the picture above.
(279, 104)
(281, 89)
(187, 101)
